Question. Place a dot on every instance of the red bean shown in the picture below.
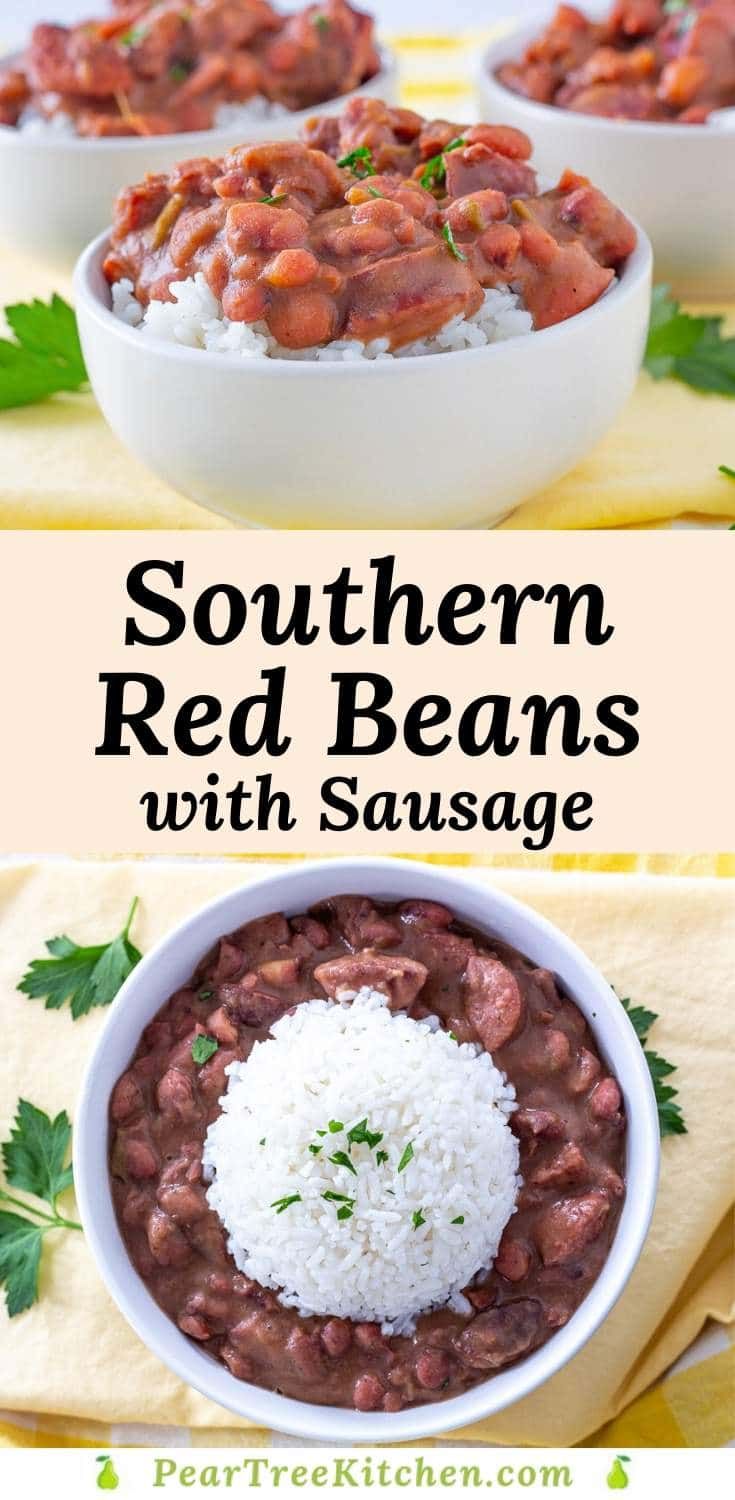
(367, 1393)
(336, 1337)
(433, 1369)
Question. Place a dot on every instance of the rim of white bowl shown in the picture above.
(518, 32)
(140, 144)
(336, 1424)
(637, 270)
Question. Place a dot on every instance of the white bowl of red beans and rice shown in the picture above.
(295, 890)
(454, 440)
(57, 189)
(677, 180)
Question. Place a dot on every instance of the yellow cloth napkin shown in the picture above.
(665, 941)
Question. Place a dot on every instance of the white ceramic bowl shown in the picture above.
(454, 439)
(56, 192)
(676, 180)
(292, 890)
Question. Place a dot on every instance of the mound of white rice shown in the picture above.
(196, 319)
(420, 1208)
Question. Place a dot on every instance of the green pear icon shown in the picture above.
(617, 1479)
(107, 1478)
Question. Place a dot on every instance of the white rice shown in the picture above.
(346, 1062)
(227, 117)
(196, 320)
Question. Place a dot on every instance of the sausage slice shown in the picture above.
(500, 1335)
(396, 976)
(493, 1001)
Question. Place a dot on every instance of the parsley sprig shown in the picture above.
(434, 174)
(43, 357)
(448, 235)
(670, 1118)
(359, 162)
(34, 1159)
(85, 976)
(202, 1048)
(692, 350)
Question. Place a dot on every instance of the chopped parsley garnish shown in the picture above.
(334, 1128)
(332, 1197)
(341, 1159)
(315, 1150)
(670, 1118)
(374, 193)
(381, 1157)
(34, 1160)
(345, 1213)
(448, 235)
(281, 1204)
(86, 977)
(321, 1132)
(459, 1219)
(693, 350)
(417, 1219)
(262, 1141)
(272, 198)
(451, 1036)
(406, 1158)
(206, 994)
(133, 37)
(44, 356)
(434, 174)
(322, 23)
(359, 162)
(727, 471)
(359, 1135)
(202, 1048)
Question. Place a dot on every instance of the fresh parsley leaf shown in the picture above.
(406, 1158)
(417, 1219)
(459, 1219)
(261, 1142)
(334, 1128)
(34, 1163)
(345, 1213)
(202, 1048)
(434, 174)
(315, 1150)
(20, 1259)
(273, 198)
(44, 356)
(359, 1135)
(381, 1156)
(670, 1118)
(206, 994)
(359, 162)
(133, 37)
(331, 1197)
(341, 1159)
(727, 471)
(34, 1156)
(448, 235)
(640, 1019)
(281, 1204)
(84, 976)
(692, 350)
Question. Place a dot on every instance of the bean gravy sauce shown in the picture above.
(569, 1122)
